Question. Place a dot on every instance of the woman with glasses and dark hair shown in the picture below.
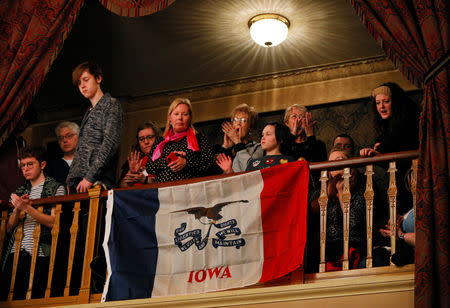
(133, 170)
(236, 140)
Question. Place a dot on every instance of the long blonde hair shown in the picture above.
(175, 103)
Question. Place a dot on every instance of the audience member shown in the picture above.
(345, 143)
(301, 125)
(133, 171)
(36, 186)
(67, 135)
(276, 142)
(236, 139)
(396, 126)
(335, 207)
(395, 121)
(100, 131)
(183, 153)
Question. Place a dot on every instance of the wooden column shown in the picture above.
(18, 242)
(369, 195)
(55, 234)
(346, 196)
(323, 201)
(392, 194)
(36, 236)
(73, 240)
(94, 195)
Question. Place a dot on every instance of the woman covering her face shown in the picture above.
(133, 171)
(184, 153)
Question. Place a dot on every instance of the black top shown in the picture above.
(268, 161)
(312, 150)
(197, 163)
(57, 169)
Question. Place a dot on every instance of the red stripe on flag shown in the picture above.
(284, 201)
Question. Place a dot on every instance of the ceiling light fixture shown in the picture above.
(268, 30)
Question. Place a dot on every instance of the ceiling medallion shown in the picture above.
(268, 30)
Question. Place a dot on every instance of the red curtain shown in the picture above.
(135, 8)
(32, 33)
(414, 35)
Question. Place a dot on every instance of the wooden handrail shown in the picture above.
(325, 165)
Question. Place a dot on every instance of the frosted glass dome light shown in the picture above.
(268, 30)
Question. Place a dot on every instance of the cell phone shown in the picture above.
(171, 157)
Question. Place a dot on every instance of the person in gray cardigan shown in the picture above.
(100, 131)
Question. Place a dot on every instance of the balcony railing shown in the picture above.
(95, 200)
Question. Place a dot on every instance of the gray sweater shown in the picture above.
(98, 143)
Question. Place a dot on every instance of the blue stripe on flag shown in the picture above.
(132, 244)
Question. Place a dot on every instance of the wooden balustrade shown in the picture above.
(96, 201)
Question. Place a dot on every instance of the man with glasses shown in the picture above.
(67, 135)
(36, 186)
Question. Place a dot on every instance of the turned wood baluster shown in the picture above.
(392, 194)
(36, 236)
(94, 195)
(3, 223)
(346, 197)
(414, 166)
(369, 195)
(18, 240)
(73, 239)
(55, 233)
(323, 201)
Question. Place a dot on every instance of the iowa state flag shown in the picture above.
(207, 236)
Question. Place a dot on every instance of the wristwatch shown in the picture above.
(401, 236)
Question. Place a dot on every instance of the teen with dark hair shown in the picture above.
(37, 186)
(100, 132)
(276, 142)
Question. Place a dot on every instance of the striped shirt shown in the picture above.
(30, 223)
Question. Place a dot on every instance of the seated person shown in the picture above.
(36, 186)
(236, 139)
(276, 142)
(67, 134)
(184, 153)
(335, 233)
(133, 171)
(406, 236)
(344, 142)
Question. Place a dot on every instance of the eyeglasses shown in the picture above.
(28, 164)
(242, 120)
(149, 137)
(297, 116)
(68, 136)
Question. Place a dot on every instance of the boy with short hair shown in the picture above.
(36, 186)
(100, 132)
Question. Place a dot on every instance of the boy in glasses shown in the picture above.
(100, 132)
(36, 186)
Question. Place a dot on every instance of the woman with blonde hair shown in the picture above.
(184, 153)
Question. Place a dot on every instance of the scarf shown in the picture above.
(170, 136)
